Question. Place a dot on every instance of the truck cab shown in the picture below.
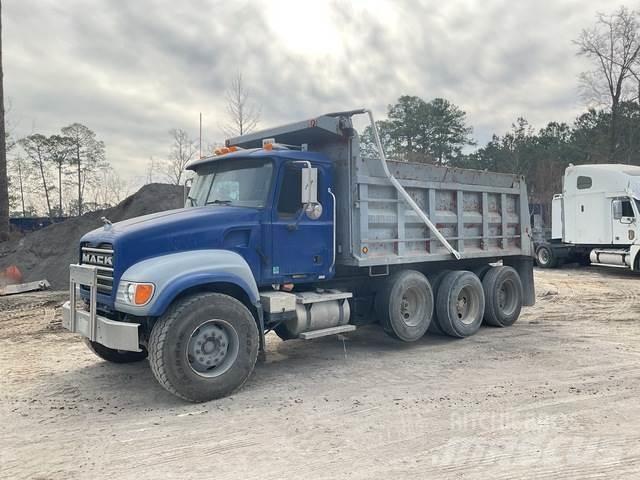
(284, 243)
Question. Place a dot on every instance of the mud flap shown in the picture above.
(524, 267)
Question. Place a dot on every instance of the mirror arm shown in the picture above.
(294, 226)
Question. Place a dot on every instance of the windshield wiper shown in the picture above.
(191, 200)
(218, 202)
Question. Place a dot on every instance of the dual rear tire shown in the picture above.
(460, 304)
(405, 305)
(503, 296)
(454, 302)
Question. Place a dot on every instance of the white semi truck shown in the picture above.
(595, 218)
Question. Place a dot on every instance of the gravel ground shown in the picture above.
(554, 395)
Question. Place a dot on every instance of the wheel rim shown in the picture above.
(410, 310)
(544, 256)
(212, 348)
(467, 305)
(507, 298)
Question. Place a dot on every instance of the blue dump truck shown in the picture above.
(293, 230)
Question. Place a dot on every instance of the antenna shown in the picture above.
(200, 136)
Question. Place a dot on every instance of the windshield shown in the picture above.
(242, 183)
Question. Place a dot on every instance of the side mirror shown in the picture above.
(186, 189)
(617, 209)
(309, 190)
(309, 185)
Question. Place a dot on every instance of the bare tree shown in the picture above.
(36, 148)
(87, 155)
(110, 189)
(4, 180)
(613, 46)
(22, 171)
(183, 150)
(243, 115)
(60, 150)
(153, 167)
(118, 187)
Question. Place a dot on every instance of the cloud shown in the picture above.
(133, 70)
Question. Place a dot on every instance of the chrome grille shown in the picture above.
(102, 257)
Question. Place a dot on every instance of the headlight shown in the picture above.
(131, 292)
(134, 293)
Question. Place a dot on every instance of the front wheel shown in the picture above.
(204, 347)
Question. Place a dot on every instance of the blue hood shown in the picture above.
(174, 231)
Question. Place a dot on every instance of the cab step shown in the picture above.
(327, 331)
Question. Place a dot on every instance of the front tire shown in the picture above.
(204, 347)
(115, 356)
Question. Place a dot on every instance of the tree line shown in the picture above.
(438, 132)
(62, 174)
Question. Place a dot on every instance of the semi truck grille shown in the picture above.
(102, 257)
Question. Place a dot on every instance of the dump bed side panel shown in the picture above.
(481, 214)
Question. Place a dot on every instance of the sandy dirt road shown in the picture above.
(555, 395)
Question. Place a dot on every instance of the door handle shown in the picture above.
(292, 227)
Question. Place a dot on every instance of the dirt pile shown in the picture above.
(47, 253)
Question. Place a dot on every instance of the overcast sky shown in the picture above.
(132, 70)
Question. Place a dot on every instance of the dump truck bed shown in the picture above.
(481, 214)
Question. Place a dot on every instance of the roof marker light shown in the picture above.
(222, 151)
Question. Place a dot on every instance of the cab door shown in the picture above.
(622, 222)
(301, 246)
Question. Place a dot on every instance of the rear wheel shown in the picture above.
(545, 258)
(460, 304)
(503, 296)
(204, 347)
(436, 280)
(404, 305)
(115, 356)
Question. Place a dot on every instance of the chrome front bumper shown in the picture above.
(107, 332)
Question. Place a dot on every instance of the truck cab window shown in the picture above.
(627, 209)
(289, 199)
(239, 182)
(584, 183)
